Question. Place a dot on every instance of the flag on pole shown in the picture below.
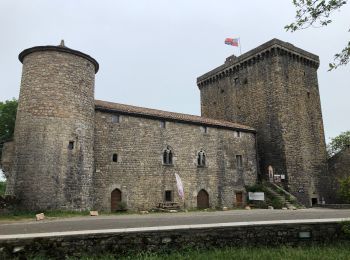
(180, 187)
(232, 41)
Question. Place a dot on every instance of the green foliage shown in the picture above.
(122, 206)
(2, 188)
(345, 228)
(344, 189)
(19, 215)
(316, 13)
(8, 110)
(338, 143)
(306, 252)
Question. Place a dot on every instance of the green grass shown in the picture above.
(337, 251)
(2, 187)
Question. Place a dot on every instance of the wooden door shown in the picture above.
(202, 200)
(239, 199)
(116, 198)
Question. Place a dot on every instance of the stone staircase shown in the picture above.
(288, 200)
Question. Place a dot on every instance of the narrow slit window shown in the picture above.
(239, 161)
(162, 124)
(115, 157)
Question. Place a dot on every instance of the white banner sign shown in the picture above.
(180, 187)
(256, 196)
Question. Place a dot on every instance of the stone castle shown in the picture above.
(261, 119)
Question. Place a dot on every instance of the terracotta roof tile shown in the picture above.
(154, 113)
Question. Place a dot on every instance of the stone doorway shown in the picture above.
(239, 199)
(116, 198)
(202, 200)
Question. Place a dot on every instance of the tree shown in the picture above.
(344, 189)
(316, 13)
(338, 143)
(8, 110)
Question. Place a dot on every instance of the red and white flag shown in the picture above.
(232, 41)
(180, 187)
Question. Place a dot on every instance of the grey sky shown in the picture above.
(151, 51)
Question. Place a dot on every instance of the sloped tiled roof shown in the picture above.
(170, 116)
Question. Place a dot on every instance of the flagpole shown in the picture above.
(240, 50)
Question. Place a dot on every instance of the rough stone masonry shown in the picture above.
(74, 152)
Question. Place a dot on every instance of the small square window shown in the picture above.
(162, 124)
(115, 157)
(168, 195)
(239, 161)
(115, 118)
(71, 145)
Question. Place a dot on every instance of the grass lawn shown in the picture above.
(337, 251)
(51, 214)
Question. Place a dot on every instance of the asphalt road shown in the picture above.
(165, 219)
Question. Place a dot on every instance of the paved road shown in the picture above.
(165, 219)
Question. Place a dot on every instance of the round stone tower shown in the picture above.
(54, 131)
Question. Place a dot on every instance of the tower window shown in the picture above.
(308, 94)
(201, 159)
(236, 81)
(239, 161)
(71, 145)
(168, 156)
(115, 118)
(115, 157)
(162, 124)
(168, 195)
(237, 134)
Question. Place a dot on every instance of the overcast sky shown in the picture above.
(151, 51)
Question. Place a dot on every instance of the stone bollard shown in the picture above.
(93, 213)
(40, 216)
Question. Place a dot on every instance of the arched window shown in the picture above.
(201, 159)
(168, 156)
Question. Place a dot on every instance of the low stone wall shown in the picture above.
(134, 240)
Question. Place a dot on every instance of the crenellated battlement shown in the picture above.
(265, 51)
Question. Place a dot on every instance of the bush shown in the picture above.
(276, 203)
(344, 190)
(345, 228)
(122, 206)
(2, 188)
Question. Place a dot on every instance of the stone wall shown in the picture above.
(339, 168)
(154, 239)
(141, 175)
(274, 88)
(54, 130)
